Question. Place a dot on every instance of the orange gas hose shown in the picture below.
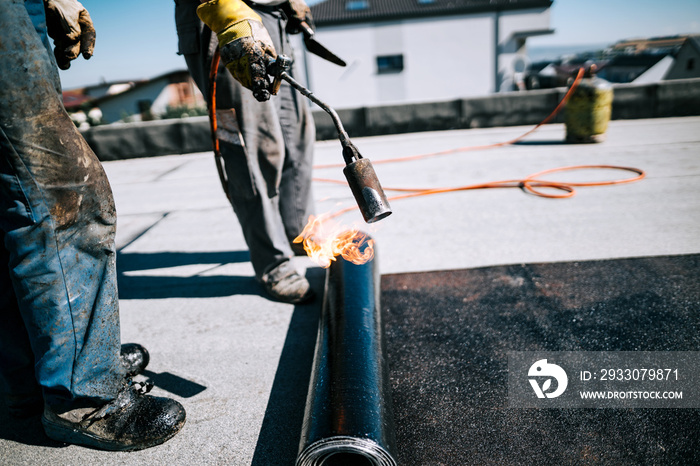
(531, 183)
(213, 73)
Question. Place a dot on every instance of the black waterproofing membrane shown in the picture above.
(448, 334)
(348, 418)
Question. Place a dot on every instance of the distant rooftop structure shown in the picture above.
(77, 97)
(652, 44)
(139, 99)
(332, 12)
(639, 61)
(627, 68)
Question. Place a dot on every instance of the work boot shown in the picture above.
(285, 284)
(134, 358)
(133, 421)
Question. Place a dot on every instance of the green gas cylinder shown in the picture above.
(588, 109)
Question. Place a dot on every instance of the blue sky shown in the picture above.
(136, 39)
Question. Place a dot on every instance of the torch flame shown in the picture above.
(323, 240)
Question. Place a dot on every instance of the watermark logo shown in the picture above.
(546, 372)
(604, 379)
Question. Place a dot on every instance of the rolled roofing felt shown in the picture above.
(349, 418)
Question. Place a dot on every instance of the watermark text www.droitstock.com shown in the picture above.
(604, 379)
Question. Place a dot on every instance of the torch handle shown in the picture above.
(342, 135)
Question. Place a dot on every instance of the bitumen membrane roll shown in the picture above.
(348, 418)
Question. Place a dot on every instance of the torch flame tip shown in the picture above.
(324, 240)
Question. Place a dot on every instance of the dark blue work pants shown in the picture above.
(59, 315)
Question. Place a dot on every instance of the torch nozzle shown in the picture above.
(359, 172)
(368, 193)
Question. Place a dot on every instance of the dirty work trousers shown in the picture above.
(267, 147)
(59, 330)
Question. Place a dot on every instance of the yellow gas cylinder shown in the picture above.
(588, 109)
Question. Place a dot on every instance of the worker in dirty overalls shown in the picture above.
(266, 141)
(59, 317)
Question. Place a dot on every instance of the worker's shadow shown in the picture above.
(280, 433)
(27, 431)
(136, 279)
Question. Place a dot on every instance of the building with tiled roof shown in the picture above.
(401, 51)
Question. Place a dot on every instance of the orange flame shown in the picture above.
(324, 240)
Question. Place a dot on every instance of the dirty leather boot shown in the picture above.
(134, 358)
(285, 284)
(133, 421)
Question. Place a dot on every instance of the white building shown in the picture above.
(401, 51)
(151, 98)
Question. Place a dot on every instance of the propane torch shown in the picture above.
(358, 170)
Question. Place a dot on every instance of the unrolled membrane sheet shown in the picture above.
(348, 418)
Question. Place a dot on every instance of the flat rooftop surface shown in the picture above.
(240, 363)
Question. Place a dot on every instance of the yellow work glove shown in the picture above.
(244, 42)
(298, 16)
(69, 25)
